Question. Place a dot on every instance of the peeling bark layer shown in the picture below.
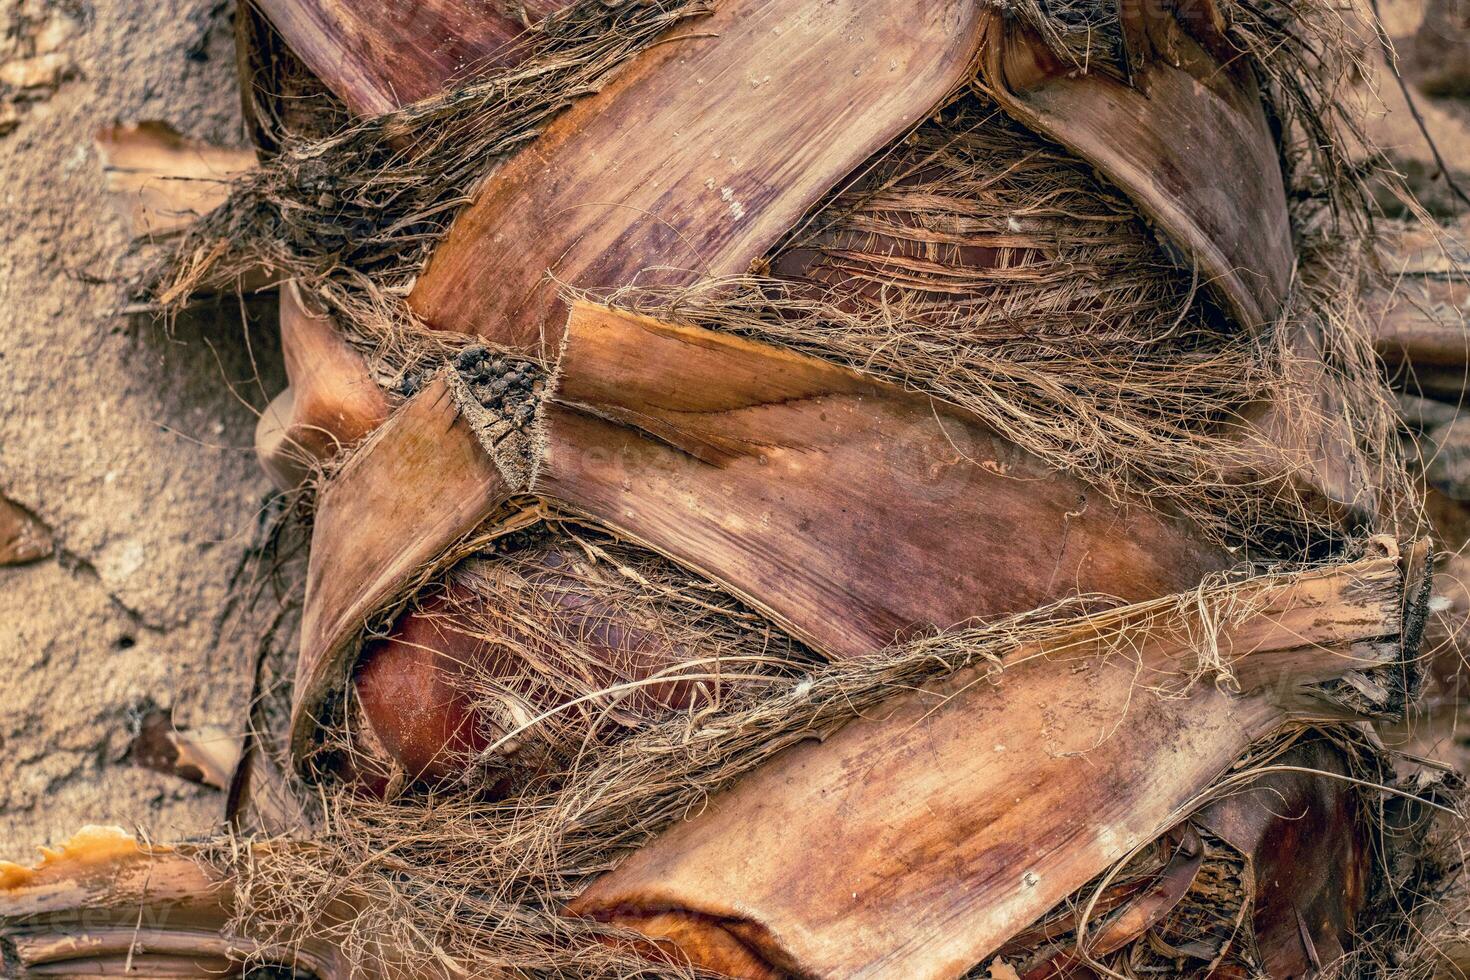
(380, 56)
(959, 802)
(728, 177)
(332, 402)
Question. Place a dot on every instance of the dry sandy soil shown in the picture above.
(132, 444)
(128, 443)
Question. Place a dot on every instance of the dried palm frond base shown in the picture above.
(1156, 833)
(947, 525)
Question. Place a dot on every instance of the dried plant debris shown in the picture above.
(206, 755)
(552, 640)
(23, 538)
(610, 789)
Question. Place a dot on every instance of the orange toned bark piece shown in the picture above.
(681, 167)
(23, 538)
(382, 55)
(850, 511)
(970, 807)
(107, 904)
(503, 639)
(420, 484)
(1187, 140)
(416, 706)
(332, 402)
(165, 180)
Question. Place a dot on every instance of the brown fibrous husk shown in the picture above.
(1126, 381)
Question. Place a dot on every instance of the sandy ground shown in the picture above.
(128, 444)
(132, 446)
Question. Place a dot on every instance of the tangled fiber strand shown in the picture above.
(456, 878)
(974, 220)
(359, 212)
(613, 635)
(1137, 421)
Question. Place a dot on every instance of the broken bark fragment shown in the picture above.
(1270, 880)
(421, 483)
(878, 511)
(378, 57)
(165, 180)
(332, 402)
(1168, 140)
(23, 538)
(1167, 137)
(107, 904)
(953, 848)
(730, 176)
(206, 755)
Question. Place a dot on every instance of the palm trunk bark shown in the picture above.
(558, 537)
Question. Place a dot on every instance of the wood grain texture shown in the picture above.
(380, 55)
(1192, 149)
(850, 511)
(332, 402)
(967, 809)
(107, 904)
(696, 158)
(419, 485)
(1293, 860)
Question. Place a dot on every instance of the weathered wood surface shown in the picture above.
(379, 56)
(333, 400)
(968, 809)
(1186, 138)
(684, 167)
(849, 511)
(1188, 141)
(107, 904)
(420, 484)
(1420, 331)
(1300, 443)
